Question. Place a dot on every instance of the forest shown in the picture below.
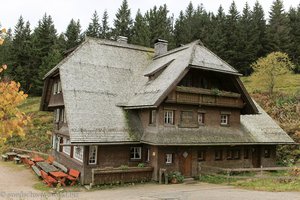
(238, 37)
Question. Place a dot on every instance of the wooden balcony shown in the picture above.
(207, 97)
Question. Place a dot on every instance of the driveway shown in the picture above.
(16, 183)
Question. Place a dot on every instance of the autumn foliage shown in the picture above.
(12, 120)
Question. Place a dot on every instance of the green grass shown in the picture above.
(289, 83)
(271, 181)
(38, 133)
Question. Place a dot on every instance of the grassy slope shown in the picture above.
(38, 134)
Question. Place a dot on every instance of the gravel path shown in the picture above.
(16, 183)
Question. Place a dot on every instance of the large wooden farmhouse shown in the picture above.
(120, 104)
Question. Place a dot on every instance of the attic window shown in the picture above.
(224, 120)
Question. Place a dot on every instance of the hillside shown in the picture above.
(38, 135)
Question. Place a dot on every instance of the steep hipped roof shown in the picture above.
(254, 129)
(95, 77)
(175, 64)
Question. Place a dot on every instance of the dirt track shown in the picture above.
(16, 183)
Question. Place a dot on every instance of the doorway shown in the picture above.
(256, 156)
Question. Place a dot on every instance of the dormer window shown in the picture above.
(169, 117)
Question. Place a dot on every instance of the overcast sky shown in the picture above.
(62, 11)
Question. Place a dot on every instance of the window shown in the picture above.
(135, 153)
(56, 115)
(148, 155)
(218, 154)
(201, 118)
(93, 155)
(267, 153)
(169, 158)
(169, 117)
(66, 149)
(78, 153)
(201, 155)
(61, 116)
(55, 88)
(58, 140)
(233, 154)
(58, 87)
(246, 153)
(54, 141)
(152, 117)
(65, 117)
(224, 119)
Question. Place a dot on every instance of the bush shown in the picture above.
(175, 177)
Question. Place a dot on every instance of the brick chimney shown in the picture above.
(160, 47)
(122, 39)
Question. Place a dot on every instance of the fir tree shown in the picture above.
(105, 31)
(140, 31)
(123, 21)
(294, 50)
(94, 27)
(278, 30)
(73, 36)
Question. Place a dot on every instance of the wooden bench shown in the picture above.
(17, 160)
(60, 166)
(73, 176)
(4, 157)
(48, 179)
(36, 170)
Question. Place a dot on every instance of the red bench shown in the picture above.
(48, 179)
(73, 176)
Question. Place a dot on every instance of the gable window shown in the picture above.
(201, 118)
(152, 119)
(66, 149)
(201, 155)
(135, 153)
(169, 158)
(218, 154)
(78, 153)
(169, 117)
(267, 153)
(224, 119)
(93, 155)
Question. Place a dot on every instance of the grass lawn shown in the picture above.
(289, 83)
(271, 181)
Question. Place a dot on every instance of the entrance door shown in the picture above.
(256, 156)
(186, 163)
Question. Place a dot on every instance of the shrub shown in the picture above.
(177, 176)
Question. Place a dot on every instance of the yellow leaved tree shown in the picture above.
(269, 69)
(12, 120)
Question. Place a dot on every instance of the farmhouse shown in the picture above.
(117, 104)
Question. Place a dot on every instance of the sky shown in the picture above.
(62, 11)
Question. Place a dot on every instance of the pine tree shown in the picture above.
(294, 50)
(105, 31)
(44, 41)
(73, 36)
(278, 31)
(201, 24)
(179, 30)
(123, 21)
(140, 31)
(94, 27)
(160, 25)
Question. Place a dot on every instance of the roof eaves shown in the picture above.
(215, 70)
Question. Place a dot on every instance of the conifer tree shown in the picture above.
(105, 31)
(294, 49)
(123, 21)
(140, 31)
(73, 36)
(93, 29)
(278, 31)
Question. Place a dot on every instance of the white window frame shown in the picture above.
(169, 117)
(56, 115)
(54, 142)
(135, 151)
(152, 117)
(78, 157)
(148, 155)
(55, 88)
(66, 149)
(169, 158)
(93, 152)
(57, 143)
(58, 87)
(224, 119)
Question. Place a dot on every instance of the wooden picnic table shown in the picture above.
(23, 157)
(46, 167)
(38, 159)
(11, 155)
(59, 176)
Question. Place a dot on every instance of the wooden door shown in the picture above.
(186, 163)
(256, 157)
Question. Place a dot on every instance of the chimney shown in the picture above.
(122, 39)
(160, 47)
